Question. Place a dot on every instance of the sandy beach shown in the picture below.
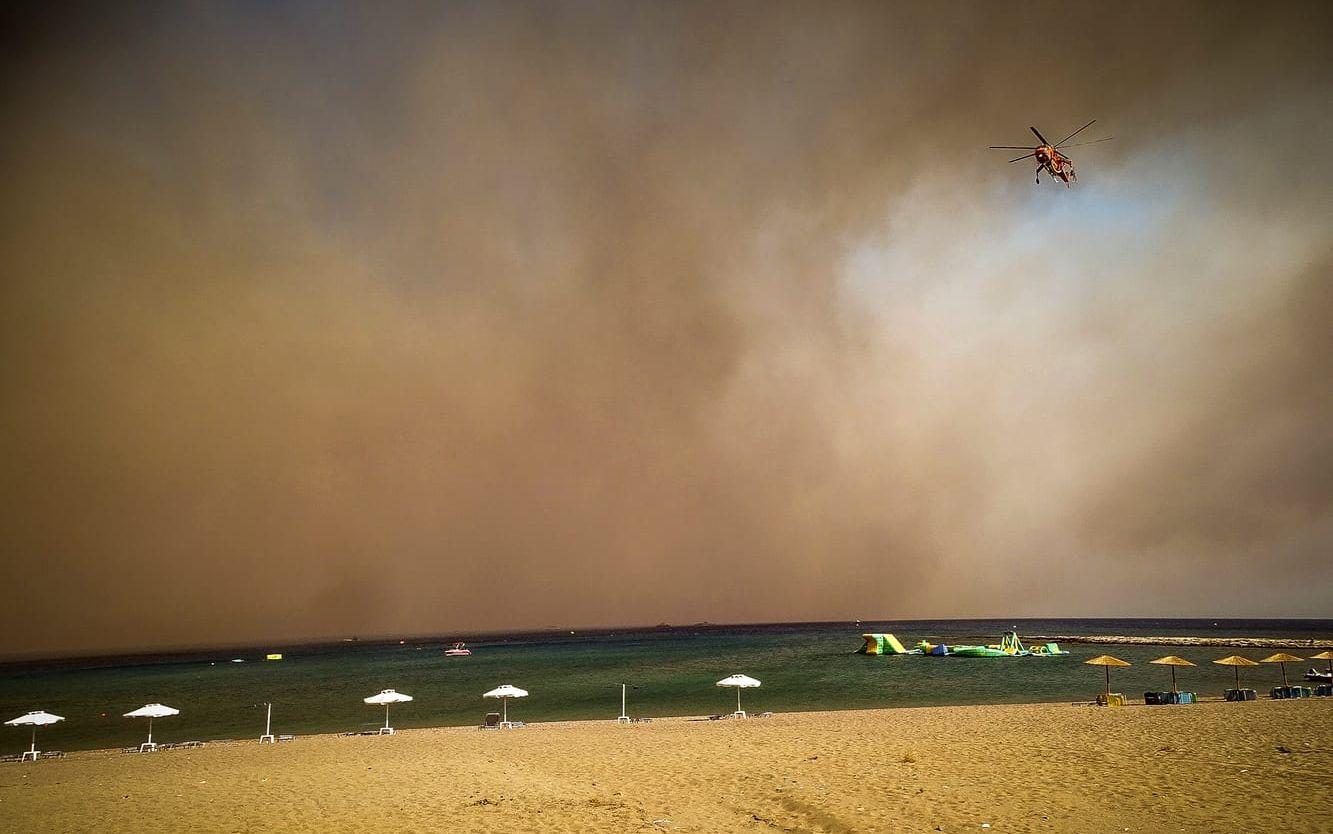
(1049, 768)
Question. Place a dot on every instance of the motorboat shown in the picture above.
(1316, 676)
(458, 650)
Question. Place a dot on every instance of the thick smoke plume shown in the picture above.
(362, 319)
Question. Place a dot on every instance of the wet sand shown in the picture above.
(1261, 766)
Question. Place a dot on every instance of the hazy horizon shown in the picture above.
(332, 319)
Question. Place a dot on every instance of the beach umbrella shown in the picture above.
(1324, 655)
(151, 711)
(1236, 661)
(739, 682)
(34, 719)
(385, 698)
(1172, 661)
(1282, 659)
(1107, 661)
(504, 692)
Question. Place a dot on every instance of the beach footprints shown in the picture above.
(800, 817)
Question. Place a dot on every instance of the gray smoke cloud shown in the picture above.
(354, 319)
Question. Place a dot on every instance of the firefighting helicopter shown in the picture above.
(1049, 155)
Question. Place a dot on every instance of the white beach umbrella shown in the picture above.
(504, 693)
(34, 719)
(151, 711)
(386, 697)
(740, 682)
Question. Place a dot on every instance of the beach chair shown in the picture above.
(1111, 699)
(492, 721)
(1155, 698)
(1324, 690)
(287, 738)
(1240, 695)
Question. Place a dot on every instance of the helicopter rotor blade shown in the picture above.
(1040, 138)
(1024, 156)
(1012, 148)
(1093, 142)
(1075, 133)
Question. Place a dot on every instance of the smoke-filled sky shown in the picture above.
(324, 319)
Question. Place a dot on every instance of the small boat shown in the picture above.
(1319, 677)
(458, 650)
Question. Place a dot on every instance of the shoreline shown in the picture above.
(574, 723)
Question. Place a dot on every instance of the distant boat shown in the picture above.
(238, 660)
(458, 650)
(273, 656)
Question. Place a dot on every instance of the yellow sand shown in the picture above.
(1212, 767)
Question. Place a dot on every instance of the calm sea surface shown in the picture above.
(803, 667)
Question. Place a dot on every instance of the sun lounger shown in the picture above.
(1324, 690)
(10, 758)
(1113, 699)
(1284, 692)
(287, 738)
(492, 721)
(1240, 695)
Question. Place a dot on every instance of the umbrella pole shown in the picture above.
(738, 699)
(1173, 679)
(1284, 674)
(386, 716)
(504, 708)
(1237, 677)
(1108, 680)
(150, 729)
(34, 740)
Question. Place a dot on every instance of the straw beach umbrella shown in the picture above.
(1282, 659)
(151, 711)
(34, 719)
(385, 698)
(1237, 661)
(739, 682)
(1107, 661)
(1324, 655)
(504, 692)
(1172, 661)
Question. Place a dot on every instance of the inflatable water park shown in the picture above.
(1009, 646)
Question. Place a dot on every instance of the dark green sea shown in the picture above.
(319, 688)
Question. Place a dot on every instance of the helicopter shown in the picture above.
(1049, 155)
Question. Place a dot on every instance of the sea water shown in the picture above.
(669, 672)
